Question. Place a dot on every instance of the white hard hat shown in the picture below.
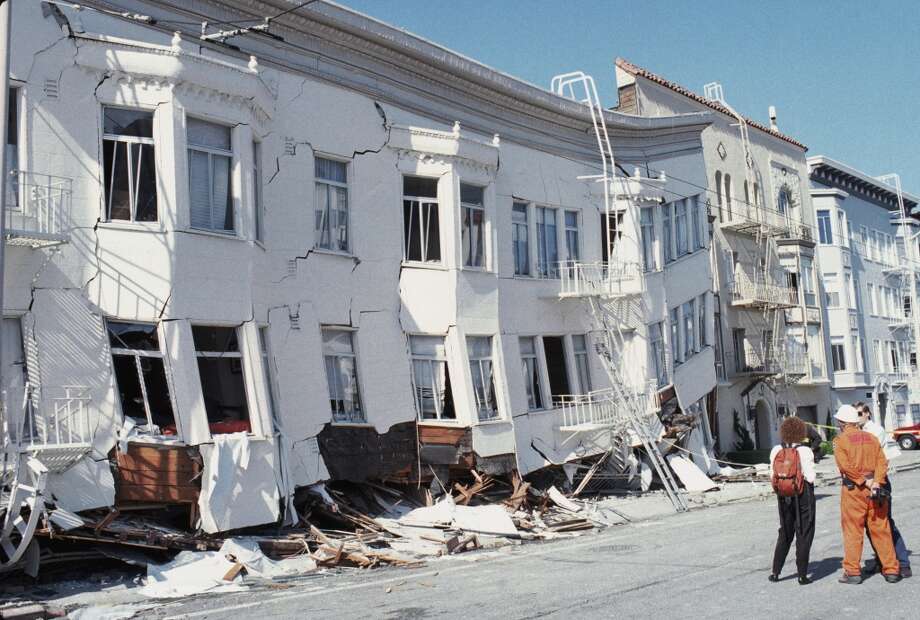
(847, 413)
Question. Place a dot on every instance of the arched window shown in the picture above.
(728, 196)
(719, 192)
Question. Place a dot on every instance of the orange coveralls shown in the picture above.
(859, 456)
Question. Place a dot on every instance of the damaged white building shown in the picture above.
(245, 263)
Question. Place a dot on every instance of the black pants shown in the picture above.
(796, 520)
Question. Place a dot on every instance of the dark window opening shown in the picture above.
(220, 366)
(140, 375)
(554, 349)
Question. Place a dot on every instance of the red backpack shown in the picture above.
(788, 480)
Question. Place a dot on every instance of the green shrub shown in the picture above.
(827, 448)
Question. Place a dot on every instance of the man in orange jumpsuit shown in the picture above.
(863, 468)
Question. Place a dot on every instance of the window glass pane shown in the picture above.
(224, 394)
(471, 194)
(432, 233)
(199, 189)
(520, 235)
(337, 341)
(145, 179)
(330, 170)
(321, 216)
(129, 388)
(161, 411)
(479, 346)
(340, 221)
(431, 346)
(223, 206)
(115, 175)
(140, 336)
(423, 378)
(124, 122)
(215, 339)
(203, 133)
(418, 186)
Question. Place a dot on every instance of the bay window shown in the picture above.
(421, 222)
(220, 367)
(430, 378)
(140, 375)
(473, 216)
(210, 160)
(129, 165)
(479, 349)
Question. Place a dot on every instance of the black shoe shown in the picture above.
(873, 566)
(894, 578)
(804, 580)
(853, 580)
(773, 578)
(906, 572)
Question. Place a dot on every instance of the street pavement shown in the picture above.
(711, 562)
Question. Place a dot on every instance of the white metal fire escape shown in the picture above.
(904, 272)
(608, 287)
(757, 288)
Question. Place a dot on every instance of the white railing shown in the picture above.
(757, 291)
(42, 419)
(600, 279)
(749, 218)
(899, 376)
(598, 409)
(36, 208)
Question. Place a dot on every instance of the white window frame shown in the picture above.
(137, 354)
(330, 186)
(516, 228)
(688, 324)
(668, 235)
(546, 268)
(475, 364)
(483, 241)
(582, 365)
(575, 232)
(647, 228)
(677, 349)
(258, 198)
(838, 361)
(426, 204)
(825, 234)
(433, 361)
(533, 375)
(683, 229)
(361, 418)
(657, 352)
(213, 152)
(269, 371)
(132, 169)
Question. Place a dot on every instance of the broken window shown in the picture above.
(547, 246)
(129, 165)
(434, 399)
(257, 204)
(331, 209)
(421, 228)
(342, 376)
(12, 148)
(140, 375)
(531, 368)
(556, 366)
(210, 158)
(520, 239)
(220, 366)
(479, 349)
(473, 217)
(580, 346)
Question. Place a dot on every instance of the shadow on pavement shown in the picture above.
(825, 568)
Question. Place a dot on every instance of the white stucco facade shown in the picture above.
(456, 195)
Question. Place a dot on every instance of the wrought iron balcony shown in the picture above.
(600, 279)
(52, 424)
(36, 209)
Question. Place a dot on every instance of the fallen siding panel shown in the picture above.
(358, 453)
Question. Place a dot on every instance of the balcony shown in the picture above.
(600, 279)
(51, 424)
(756, 292)
(899, 377)
(600, 410)
(36, 209)
(754, 221)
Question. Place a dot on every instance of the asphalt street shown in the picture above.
(711, 563)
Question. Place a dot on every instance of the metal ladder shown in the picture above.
(635, 415)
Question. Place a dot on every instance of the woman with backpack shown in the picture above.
(793, 475)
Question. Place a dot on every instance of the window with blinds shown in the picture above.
(210, 159)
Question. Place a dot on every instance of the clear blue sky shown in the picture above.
(844, 75)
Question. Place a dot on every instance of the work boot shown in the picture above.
(853, 580)
(893, 578)
(906, 572)
(804, 580)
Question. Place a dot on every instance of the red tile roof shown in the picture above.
(636, 70)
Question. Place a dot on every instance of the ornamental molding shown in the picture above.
(449, 147)
(173, 68)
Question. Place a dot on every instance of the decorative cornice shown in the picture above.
(445, 146)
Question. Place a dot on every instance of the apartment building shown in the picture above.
(866, 268)
(337, 252)
(769, 344)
